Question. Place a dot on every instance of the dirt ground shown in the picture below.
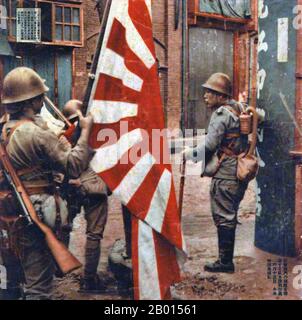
(248, 283)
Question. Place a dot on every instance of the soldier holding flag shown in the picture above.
(35, 152)
(87, 190)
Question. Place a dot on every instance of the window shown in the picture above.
(67, 23)
(227, 8)
(224, 14)
(62, 23)
(11, 6)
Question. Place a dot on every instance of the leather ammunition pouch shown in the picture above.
(9, 205)
(247, 167)
(214, 164)
(247, 162)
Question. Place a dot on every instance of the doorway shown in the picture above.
(53, 65)
(210, 51)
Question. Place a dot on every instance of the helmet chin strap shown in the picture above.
(221, 101)
(28, 112)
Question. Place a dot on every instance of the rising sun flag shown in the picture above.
(126, 92)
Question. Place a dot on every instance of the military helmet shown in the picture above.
(22, 84)
(220, 83)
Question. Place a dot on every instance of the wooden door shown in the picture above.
(210, 51)
(55, 66)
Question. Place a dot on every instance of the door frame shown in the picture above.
(245, 53)
(298, 143)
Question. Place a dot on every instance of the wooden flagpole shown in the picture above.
(184, 103)
(96, 57)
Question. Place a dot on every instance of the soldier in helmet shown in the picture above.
(89, 191)
(224, 139)
(36, 152)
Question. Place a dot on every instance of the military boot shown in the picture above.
(90, 282)
(92, 285)
(226, 242)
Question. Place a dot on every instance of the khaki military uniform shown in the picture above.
(91, 193)
(36, 152)
(226, 190)
(95, 203)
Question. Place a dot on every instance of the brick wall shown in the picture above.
(175, 67)
(84, 55)
(164, 30)
(170, 56)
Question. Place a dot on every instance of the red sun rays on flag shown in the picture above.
(133, 161)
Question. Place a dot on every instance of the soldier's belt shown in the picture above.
(38, 187)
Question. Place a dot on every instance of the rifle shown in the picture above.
(64, 259)
(184, 94)
(58, 112)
